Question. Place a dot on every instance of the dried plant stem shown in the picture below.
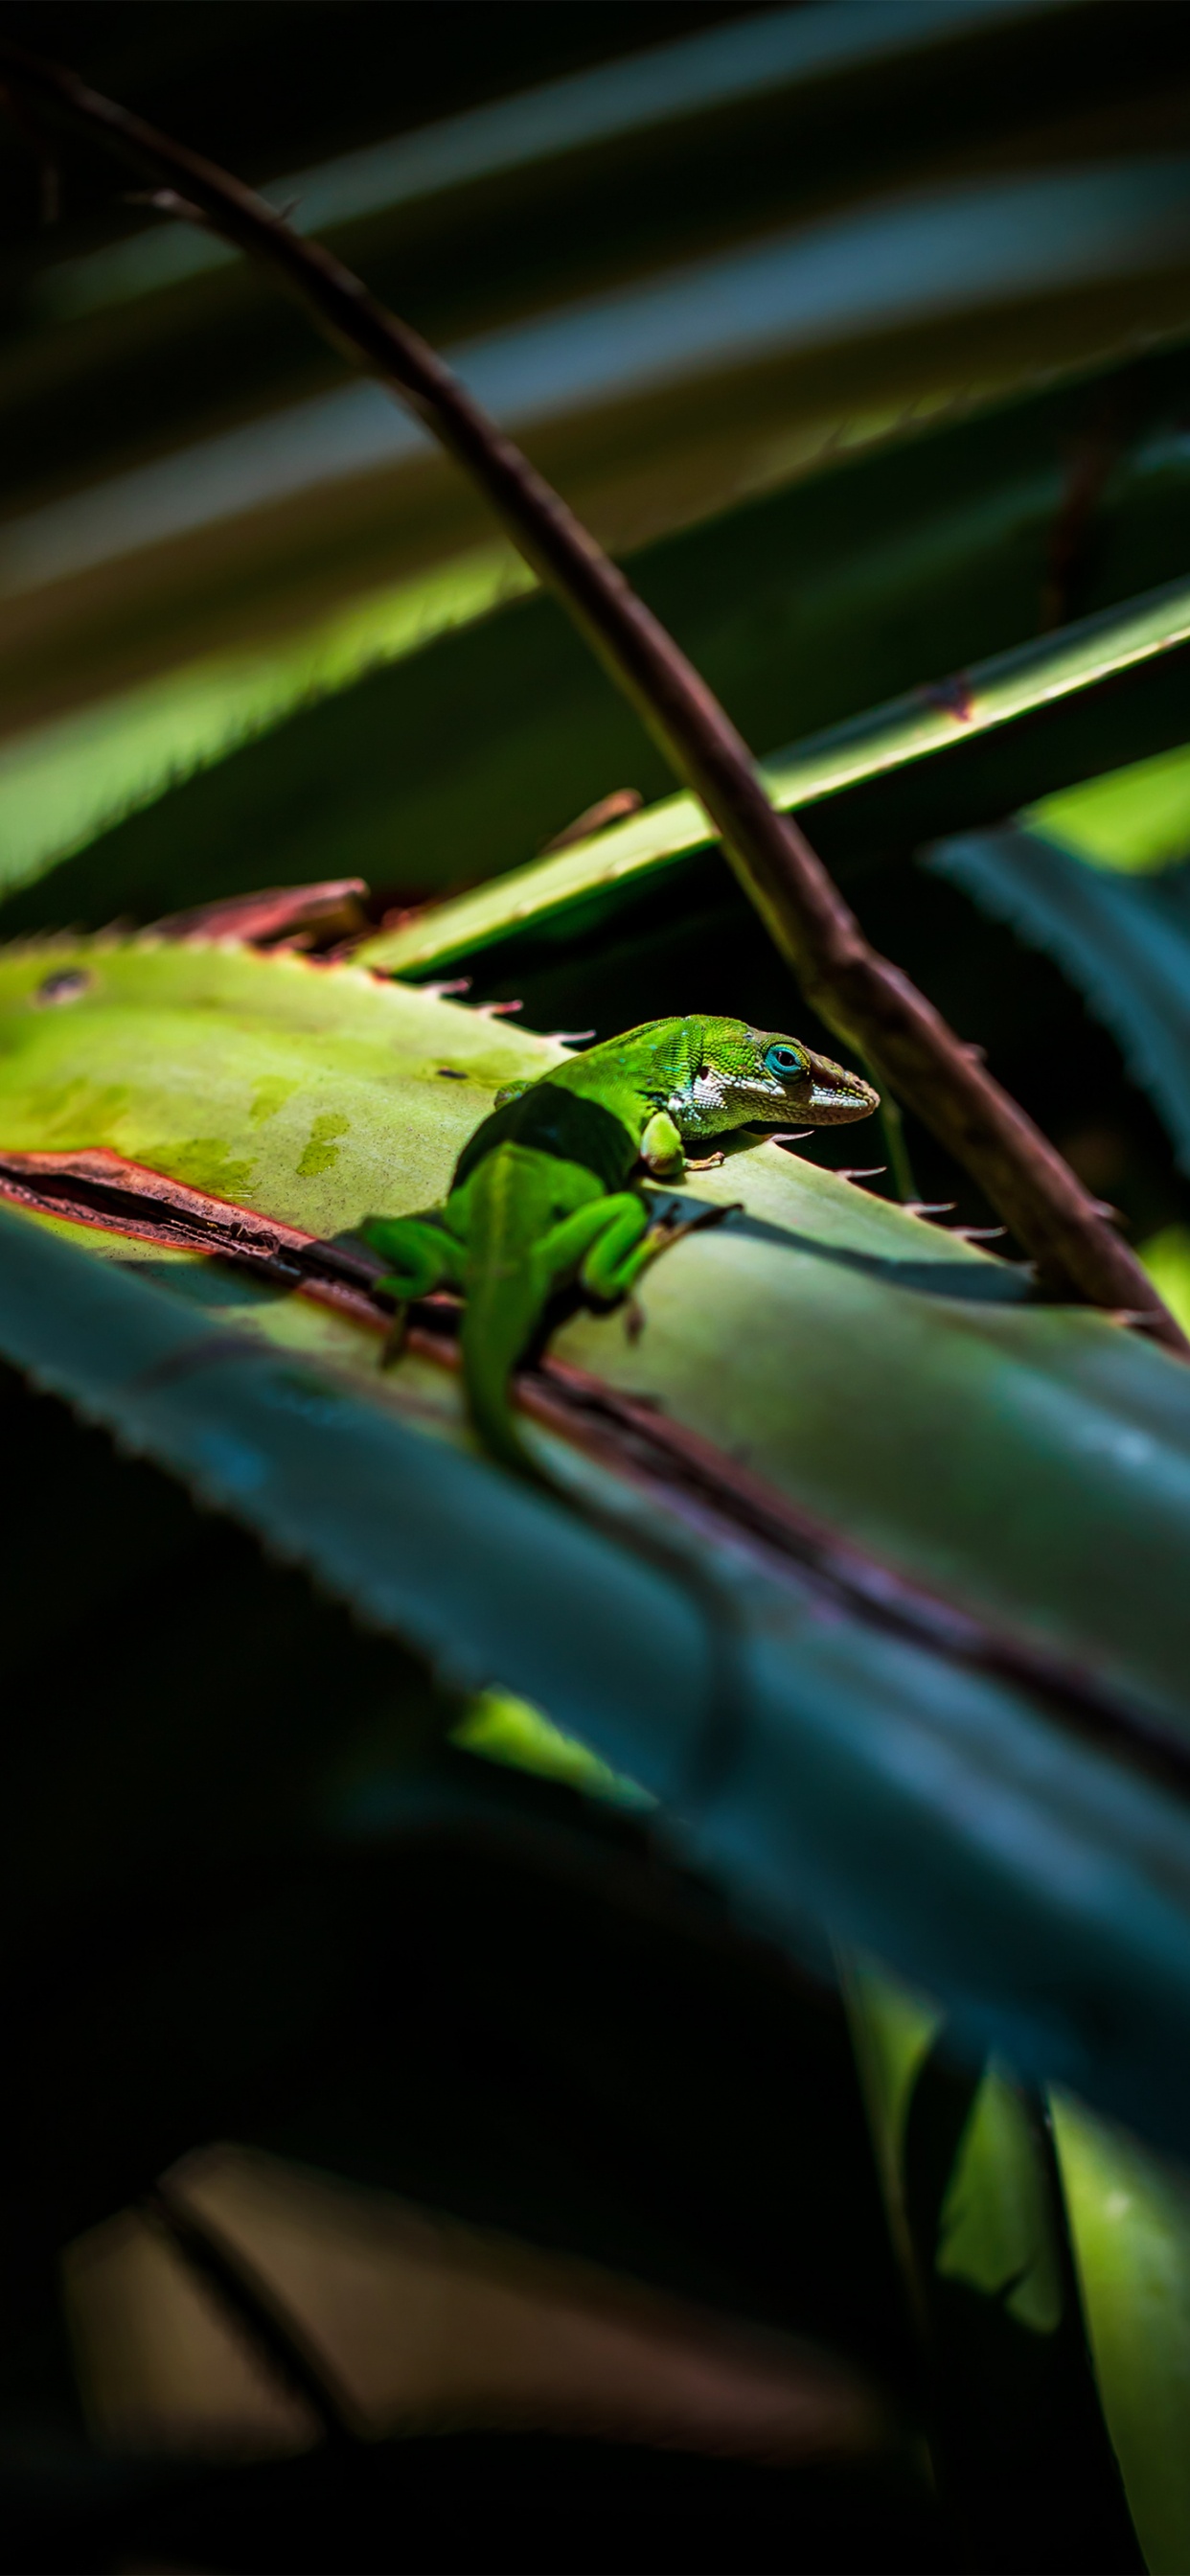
(859, 993)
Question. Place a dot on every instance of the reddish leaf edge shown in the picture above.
(278, 916)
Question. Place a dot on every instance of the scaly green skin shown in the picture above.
(539, 1196)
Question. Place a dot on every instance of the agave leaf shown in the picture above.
(258, 1779)
(1123, 940)
(716, 72)
(925, 554)
(1135, 819)
(1130, 2219)
(869, 1790)
(986, 739)
(978, 2210)
(64, 781)
(246, 1756)
(269, 1079)
(1129, 2227)
(670, 390)
(1028, 1462)
(325, 1095)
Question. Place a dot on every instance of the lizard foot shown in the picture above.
(669, 1228)
(634, 1319)
(394, 1340)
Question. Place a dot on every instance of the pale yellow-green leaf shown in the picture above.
(1134, 819)
(1130, 2221)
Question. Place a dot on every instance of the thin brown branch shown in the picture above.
(862, 995)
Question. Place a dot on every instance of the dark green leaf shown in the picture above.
(1062, 708)
(873, 576)
(1124, 940)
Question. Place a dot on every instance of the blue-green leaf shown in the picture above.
(1124, 940)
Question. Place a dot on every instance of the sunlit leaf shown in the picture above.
(747, 285)
(66, 781)
(979, 2213)
(506, 1730)
(1134, 819)
(270, 1079)
(1131, 2230)
(1166, 1257)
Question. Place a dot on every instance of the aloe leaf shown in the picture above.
(826, 1337)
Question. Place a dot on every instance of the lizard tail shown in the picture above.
(495, 1332)
(497, 1329)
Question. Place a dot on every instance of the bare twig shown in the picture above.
(872, 1005)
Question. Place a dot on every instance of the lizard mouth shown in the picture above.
(836, 1094)
(832, 1106)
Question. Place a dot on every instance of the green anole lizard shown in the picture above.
(541, 1194)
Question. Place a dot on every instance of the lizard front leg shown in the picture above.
(661, 1147)
(607, 1244)
(421, 1256)
(592, 1240)
(628, 1241)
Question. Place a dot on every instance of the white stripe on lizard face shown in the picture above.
(714, 1100)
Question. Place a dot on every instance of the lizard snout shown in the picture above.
(836, 1096)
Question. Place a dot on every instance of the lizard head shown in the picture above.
(756, 1076)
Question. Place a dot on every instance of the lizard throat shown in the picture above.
(712, 1102)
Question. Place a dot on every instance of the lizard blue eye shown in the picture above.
(784, 1061)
